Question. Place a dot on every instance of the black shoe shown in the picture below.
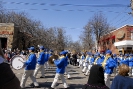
(31, 84)
(85, 74)
(41, 77)
(36, 86)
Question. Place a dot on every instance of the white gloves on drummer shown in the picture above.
(53, 59)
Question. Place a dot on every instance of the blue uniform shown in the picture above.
(91, 60)
(126, 61)
(60, 65)
(41, 60)
(131, 62)
(110, 64)
(46, 56)
(82, 57)
(116, 61)
(31, 62)
(99, 61)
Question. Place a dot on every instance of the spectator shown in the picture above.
(122, 81)
(8, 80)
(96, 78)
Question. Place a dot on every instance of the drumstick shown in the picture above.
(21, 60)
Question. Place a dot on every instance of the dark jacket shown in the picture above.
(96, 78)
(122, 82)
(8, 80)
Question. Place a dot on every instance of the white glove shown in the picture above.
(53, 59)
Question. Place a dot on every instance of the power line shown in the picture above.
(71, 10)
(123, 21)
(119, 14)
(67, 4)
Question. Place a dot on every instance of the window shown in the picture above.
(107, 42)
(113, 41)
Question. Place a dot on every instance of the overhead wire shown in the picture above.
(67, 4)
(120, 19)
(123, 21)
(70, 10)
(118, 14)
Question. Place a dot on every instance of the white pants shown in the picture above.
(26, 74)
(107, 79)
(84, 69)
(131, 70)
(88, 70)
(115, 70)
(81, 63)
(66, 71)
(57, 76)
(46, 65)
(41, 68)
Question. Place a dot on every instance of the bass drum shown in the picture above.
(16, 62)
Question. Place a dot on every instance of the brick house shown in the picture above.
(118, 41)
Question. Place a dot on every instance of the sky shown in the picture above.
(73, 15)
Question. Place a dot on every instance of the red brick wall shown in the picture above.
(126, 29)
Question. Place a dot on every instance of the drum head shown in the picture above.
(16, 63)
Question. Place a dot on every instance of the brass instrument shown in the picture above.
(50, 60)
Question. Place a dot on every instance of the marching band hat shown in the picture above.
(63, 52)
(41, 47)
(130, 54)
(31, 48)
(108, 52)
(114, 55)
(97, 54)
(126, 55)
(89, 53)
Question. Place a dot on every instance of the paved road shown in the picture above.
(76, 82)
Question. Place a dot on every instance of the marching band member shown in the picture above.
(85, 64)
(66, 64)
(81, 60)
(131, 64)
(60, 70)
(116, 62)
(40, 63)
(91, 60)
(46, 58)
(125, 60)
(108, 65)
(30, 65)
(8, 79)
(98, 59)
(120, 59)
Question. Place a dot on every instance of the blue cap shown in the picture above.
(88, 53)
(130, 54)
(114, 55)
(97, 54)
(121, 54)
(50, 50)
(41, 47)
(108, 52)
(31, 48)
(63, 52)
(126, 55)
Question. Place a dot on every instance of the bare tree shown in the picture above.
(97, 27)
(87, 38)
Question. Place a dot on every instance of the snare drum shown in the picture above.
(16, 62)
